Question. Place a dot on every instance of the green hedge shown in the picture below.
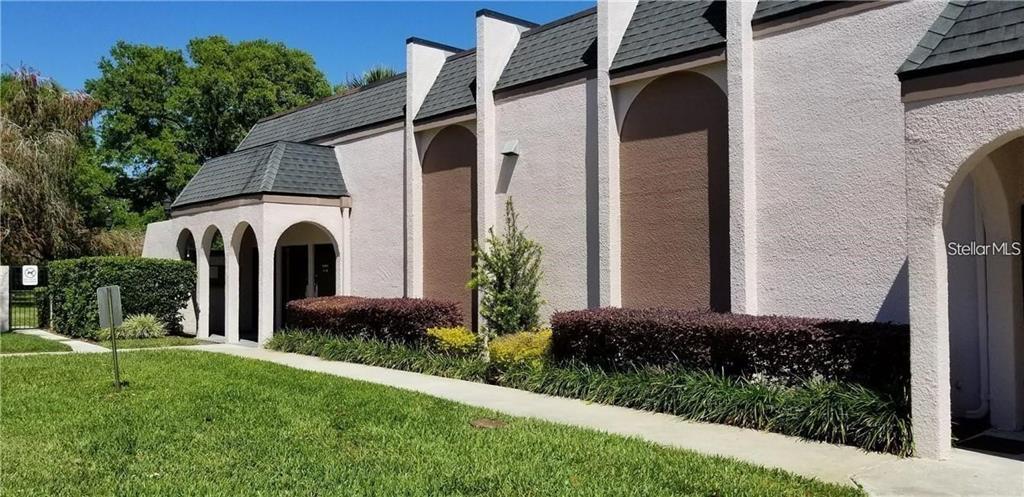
(160, 287)
(830, 411)
(42, 296)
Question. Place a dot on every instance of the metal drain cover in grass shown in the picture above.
(487, 423)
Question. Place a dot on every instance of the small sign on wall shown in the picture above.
(29, 275)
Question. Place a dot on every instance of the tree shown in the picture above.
(372, 75)
(45, 171)
(508, 275)
(165, 111)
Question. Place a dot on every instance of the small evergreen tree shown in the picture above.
(508, 274)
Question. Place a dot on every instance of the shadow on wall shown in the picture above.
(896, 306)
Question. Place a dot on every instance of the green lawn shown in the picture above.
(197, 423)
(14, 343)
(147, 343)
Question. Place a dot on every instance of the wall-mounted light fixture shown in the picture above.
(511, 148)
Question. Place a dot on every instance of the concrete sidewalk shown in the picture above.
(966, 474)
(76, 345)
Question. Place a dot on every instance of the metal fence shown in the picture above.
(27, 310)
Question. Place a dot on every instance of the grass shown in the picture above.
(197, 423)
(16, 343)
(147, 343)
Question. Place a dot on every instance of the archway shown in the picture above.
(985, 301)
(305, 265)
(213, 247)
(674, 196)
(187, 252)
(449, 216)
(247, 253)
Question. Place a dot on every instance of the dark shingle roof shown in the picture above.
(666, 29)
(768, 10)
(454, 89)
(369, 105)
(278, 167)
(969, 33)
(553, 49)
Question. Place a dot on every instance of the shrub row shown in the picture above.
(160, 287)
(830, 411)
(400, 319)
(395, 355)
(42, 299)
(874, 354)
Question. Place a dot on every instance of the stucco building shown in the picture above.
(799, 158)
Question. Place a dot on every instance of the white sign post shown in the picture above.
(29, 275)
(108, 301)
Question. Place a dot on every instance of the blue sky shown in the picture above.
(66, 40)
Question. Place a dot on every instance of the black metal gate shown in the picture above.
(24, 304)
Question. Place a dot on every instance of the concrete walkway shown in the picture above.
(76, 345)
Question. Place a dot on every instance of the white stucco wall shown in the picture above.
(549, 182)
(945, 139)
(830, 164)
(373, 172)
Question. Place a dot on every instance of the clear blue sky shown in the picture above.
(66, 40)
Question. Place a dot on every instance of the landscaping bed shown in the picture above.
(817, 409)
(196, 423)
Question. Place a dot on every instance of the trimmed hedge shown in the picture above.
(42, 296)
(160, 287)
(399, 319)
(786, 348)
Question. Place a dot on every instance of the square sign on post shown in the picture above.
(108, 299)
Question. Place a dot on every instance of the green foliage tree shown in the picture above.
(166, 111)
(50, 183)
(372, 75)
(508, 275)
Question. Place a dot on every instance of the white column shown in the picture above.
(5, 295)
(231, 286)
(278, 286)
(202, 291)
(612, 20)
(265, 285)
(742, 157)
(423, 61)
(343, 265)
(496, 39)
(929, 338)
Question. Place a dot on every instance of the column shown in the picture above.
(612, 20)
(929, 339)
(202, 291)
(742, 158)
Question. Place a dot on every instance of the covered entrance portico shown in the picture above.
(272, 225)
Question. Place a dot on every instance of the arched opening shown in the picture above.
(187, 252)
(449, 216)
(305, 265)
(247, 252)
(982, 223)
(213, 245)
(674, 196)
